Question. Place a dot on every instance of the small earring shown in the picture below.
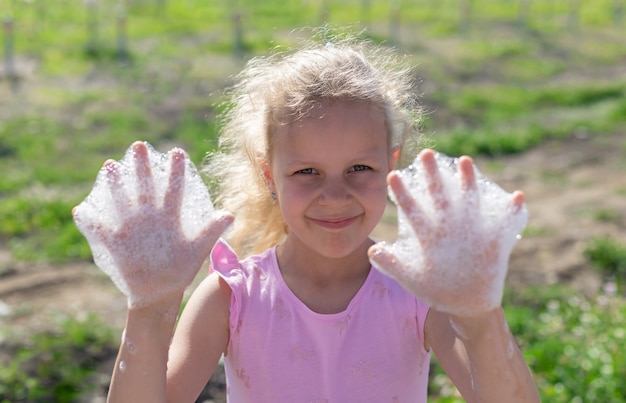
(273, 194)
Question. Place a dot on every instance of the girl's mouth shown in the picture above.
(335, 223)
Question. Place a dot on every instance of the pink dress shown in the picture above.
(282, 352)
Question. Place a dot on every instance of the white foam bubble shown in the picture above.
(5, 310)
(116, 200)
(466, 239)
(130, 346)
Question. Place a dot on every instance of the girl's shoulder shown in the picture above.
(247, 278)
(228, 265)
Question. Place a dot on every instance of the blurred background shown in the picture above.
(534, 90)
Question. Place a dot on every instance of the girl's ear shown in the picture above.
(266, 171)
(394, 156)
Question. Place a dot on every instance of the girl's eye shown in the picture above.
(357, 168)
(306, 171)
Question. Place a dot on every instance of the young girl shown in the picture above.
(298, 311)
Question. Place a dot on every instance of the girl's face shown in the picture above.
(329, 174)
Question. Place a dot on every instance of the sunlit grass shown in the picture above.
(564, 337)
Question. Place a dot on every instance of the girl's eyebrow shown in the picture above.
(290, 160)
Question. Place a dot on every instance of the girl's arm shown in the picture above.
(151, 369)
(152, 258)
(481, 357)
(140, 369)
(201, 337)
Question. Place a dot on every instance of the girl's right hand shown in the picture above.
(147, 253)
(458, 233)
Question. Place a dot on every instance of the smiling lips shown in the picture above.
(335, 223)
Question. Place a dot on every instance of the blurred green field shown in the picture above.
(492, 83)
(80, 80)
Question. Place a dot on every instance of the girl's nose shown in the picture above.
(334, 191)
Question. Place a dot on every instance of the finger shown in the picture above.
(518, 218)
(174, 195)
(145, 181)
(468, 176)
(469, 187)
(409, 206)
(517, 201)
(77, 216)
(207, 238)
(433, 179)
(382, 256)
(116, 187)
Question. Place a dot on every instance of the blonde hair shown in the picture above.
(281, 88)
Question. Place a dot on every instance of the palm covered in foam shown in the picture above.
(150, 223)
(456, 232)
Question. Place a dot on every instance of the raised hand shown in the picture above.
(150, 223)
(456, 233)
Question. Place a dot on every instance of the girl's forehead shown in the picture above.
(338, 115)
(346, 125)
(324, 108)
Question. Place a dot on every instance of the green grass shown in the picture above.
(566, 342)
(564, 337)
(608, 256)
(54, 365)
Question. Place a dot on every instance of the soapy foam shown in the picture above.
(463, 221)
(196, 205)
(115, 197)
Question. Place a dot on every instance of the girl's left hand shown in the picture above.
(150, 230)
(456, 230)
